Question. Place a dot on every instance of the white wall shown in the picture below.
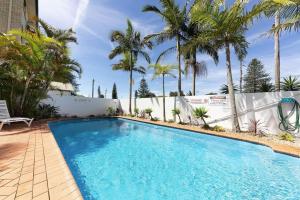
(258, 106)
(80, 106)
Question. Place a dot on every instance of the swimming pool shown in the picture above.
(116, 159)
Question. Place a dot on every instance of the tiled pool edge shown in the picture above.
(278, 148)
(62, 184)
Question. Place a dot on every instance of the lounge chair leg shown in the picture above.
(1, 125)
(29, 124)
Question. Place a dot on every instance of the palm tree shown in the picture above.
(190, 50)
(289, 13)
(176, 112)
(227, 26)
(288, 10)
(224, 89)
(163, 71)
(34, 55)
(290, 84)
(175, 19)
(130, 42)
(201, 113)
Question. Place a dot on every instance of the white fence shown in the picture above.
(258, 106)
(81, 106)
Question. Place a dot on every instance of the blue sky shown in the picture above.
(93, 21)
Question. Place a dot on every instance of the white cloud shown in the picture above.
(80, 13)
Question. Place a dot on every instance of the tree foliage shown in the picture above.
(29, 66)
(114, 92)
(256, 77)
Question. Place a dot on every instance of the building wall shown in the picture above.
(15, 14)
(258, 106)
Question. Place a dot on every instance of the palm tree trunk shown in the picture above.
(164, 100)
(235, 121)
(179, 65)
(277, 52)
(194, 73)
(241, 76)
(130, 84)
(25, 92)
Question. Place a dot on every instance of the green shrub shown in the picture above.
(149, 111)
(136, 112)
(171, 121)
(155, 119)
(201, 113)
(287, 137)
(45, 111)
(111, 111)
(176, 112)
(218, 128)
(131, 115)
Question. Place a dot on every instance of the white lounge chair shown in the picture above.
(6, 119)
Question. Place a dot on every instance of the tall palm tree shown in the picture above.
(163, 71)
(190, 50)
(227, 26)
(289, 11)
(175, 23)
(130, 42)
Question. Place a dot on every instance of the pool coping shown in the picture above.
(38, 170)
(276, 147)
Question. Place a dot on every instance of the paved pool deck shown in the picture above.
(32, 166)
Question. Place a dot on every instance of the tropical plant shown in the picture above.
(163, 71)
(30, 65)
(176, 112)
(149, 111)
(255, 77)
(131, 45)
(111, 111)
(218, 128)
(114, 93)
(136, 112)
(287, 137)
(201, 113)
(224, 89)
(46, 111)
(190, 50)
(175, 24)
(290, 84)
(227, 27)
(257, 127)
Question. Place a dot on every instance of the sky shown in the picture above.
(94, 20)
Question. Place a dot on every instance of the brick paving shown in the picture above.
(32, 166)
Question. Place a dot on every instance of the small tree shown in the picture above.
(143, 91)
(114, 94)
(201, 113)
(99, 93)
(149, 111)
(255, 77)
(176, 112)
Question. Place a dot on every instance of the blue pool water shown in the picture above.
(115, 159)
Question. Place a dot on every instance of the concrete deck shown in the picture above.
(32, 166)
